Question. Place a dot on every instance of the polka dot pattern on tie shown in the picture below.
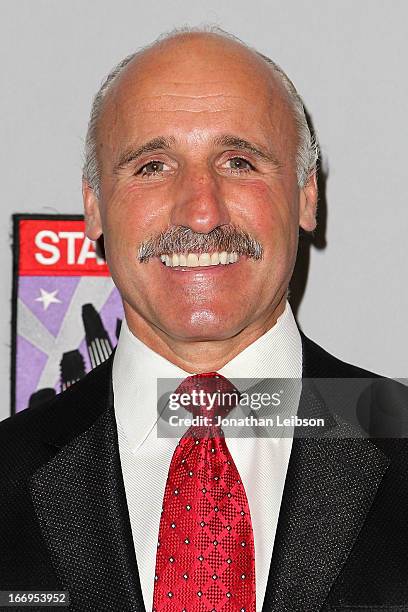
(205, 556)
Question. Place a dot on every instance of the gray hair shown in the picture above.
(308, 149)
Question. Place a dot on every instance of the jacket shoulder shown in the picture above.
(380, 404)
(319, 363)
(30, 437)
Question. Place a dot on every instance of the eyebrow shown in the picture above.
(163, 143)
(132, 153)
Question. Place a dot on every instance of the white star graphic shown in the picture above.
(47, 298)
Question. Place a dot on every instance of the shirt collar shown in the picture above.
(136, 368)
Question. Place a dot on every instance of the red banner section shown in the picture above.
(57, 248)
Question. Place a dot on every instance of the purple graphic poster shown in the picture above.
(66, 309)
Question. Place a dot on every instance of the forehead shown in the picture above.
(191, 87)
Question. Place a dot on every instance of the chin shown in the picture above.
(201, 326)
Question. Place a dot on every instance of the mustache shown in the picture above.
(181, 239)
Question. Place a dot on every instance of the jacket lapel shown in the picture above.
(329, 489)
(330, 486)
(80, 503)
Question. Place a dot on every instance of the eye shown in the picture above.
(238, 165)
(152, 168)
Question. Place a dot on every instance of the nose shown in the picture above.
(198, 202)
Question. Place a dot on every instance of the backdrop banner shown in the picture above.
(66, 310)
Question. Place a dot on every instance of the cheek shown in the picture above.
(268, 212)
(132, 216)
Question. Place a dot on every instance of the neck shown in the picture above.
(197, 356)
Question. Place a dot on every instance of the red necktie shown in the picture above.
(205, 553)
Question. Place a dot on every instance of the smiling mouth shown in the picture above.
(199, 260)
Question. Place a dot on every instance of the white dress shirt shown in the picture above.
(145, 458)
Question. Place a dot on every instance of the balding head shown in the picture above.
(198, 156)
(199, 52)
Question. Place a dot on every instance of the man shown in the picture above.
(199, 170)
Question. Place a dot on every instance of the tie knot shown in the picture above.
(209, 394)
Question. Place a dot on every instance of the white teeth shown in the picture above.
(192, 260)
(205, 259)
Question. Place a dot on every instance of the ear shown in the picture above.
(93, 224)
(308, 204)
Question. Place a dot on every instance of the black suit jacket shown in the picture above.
(342, 537)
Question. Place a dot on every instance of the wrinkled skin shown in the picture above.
(192, 91)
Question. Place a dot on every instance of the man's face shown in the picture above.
(199, 134)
